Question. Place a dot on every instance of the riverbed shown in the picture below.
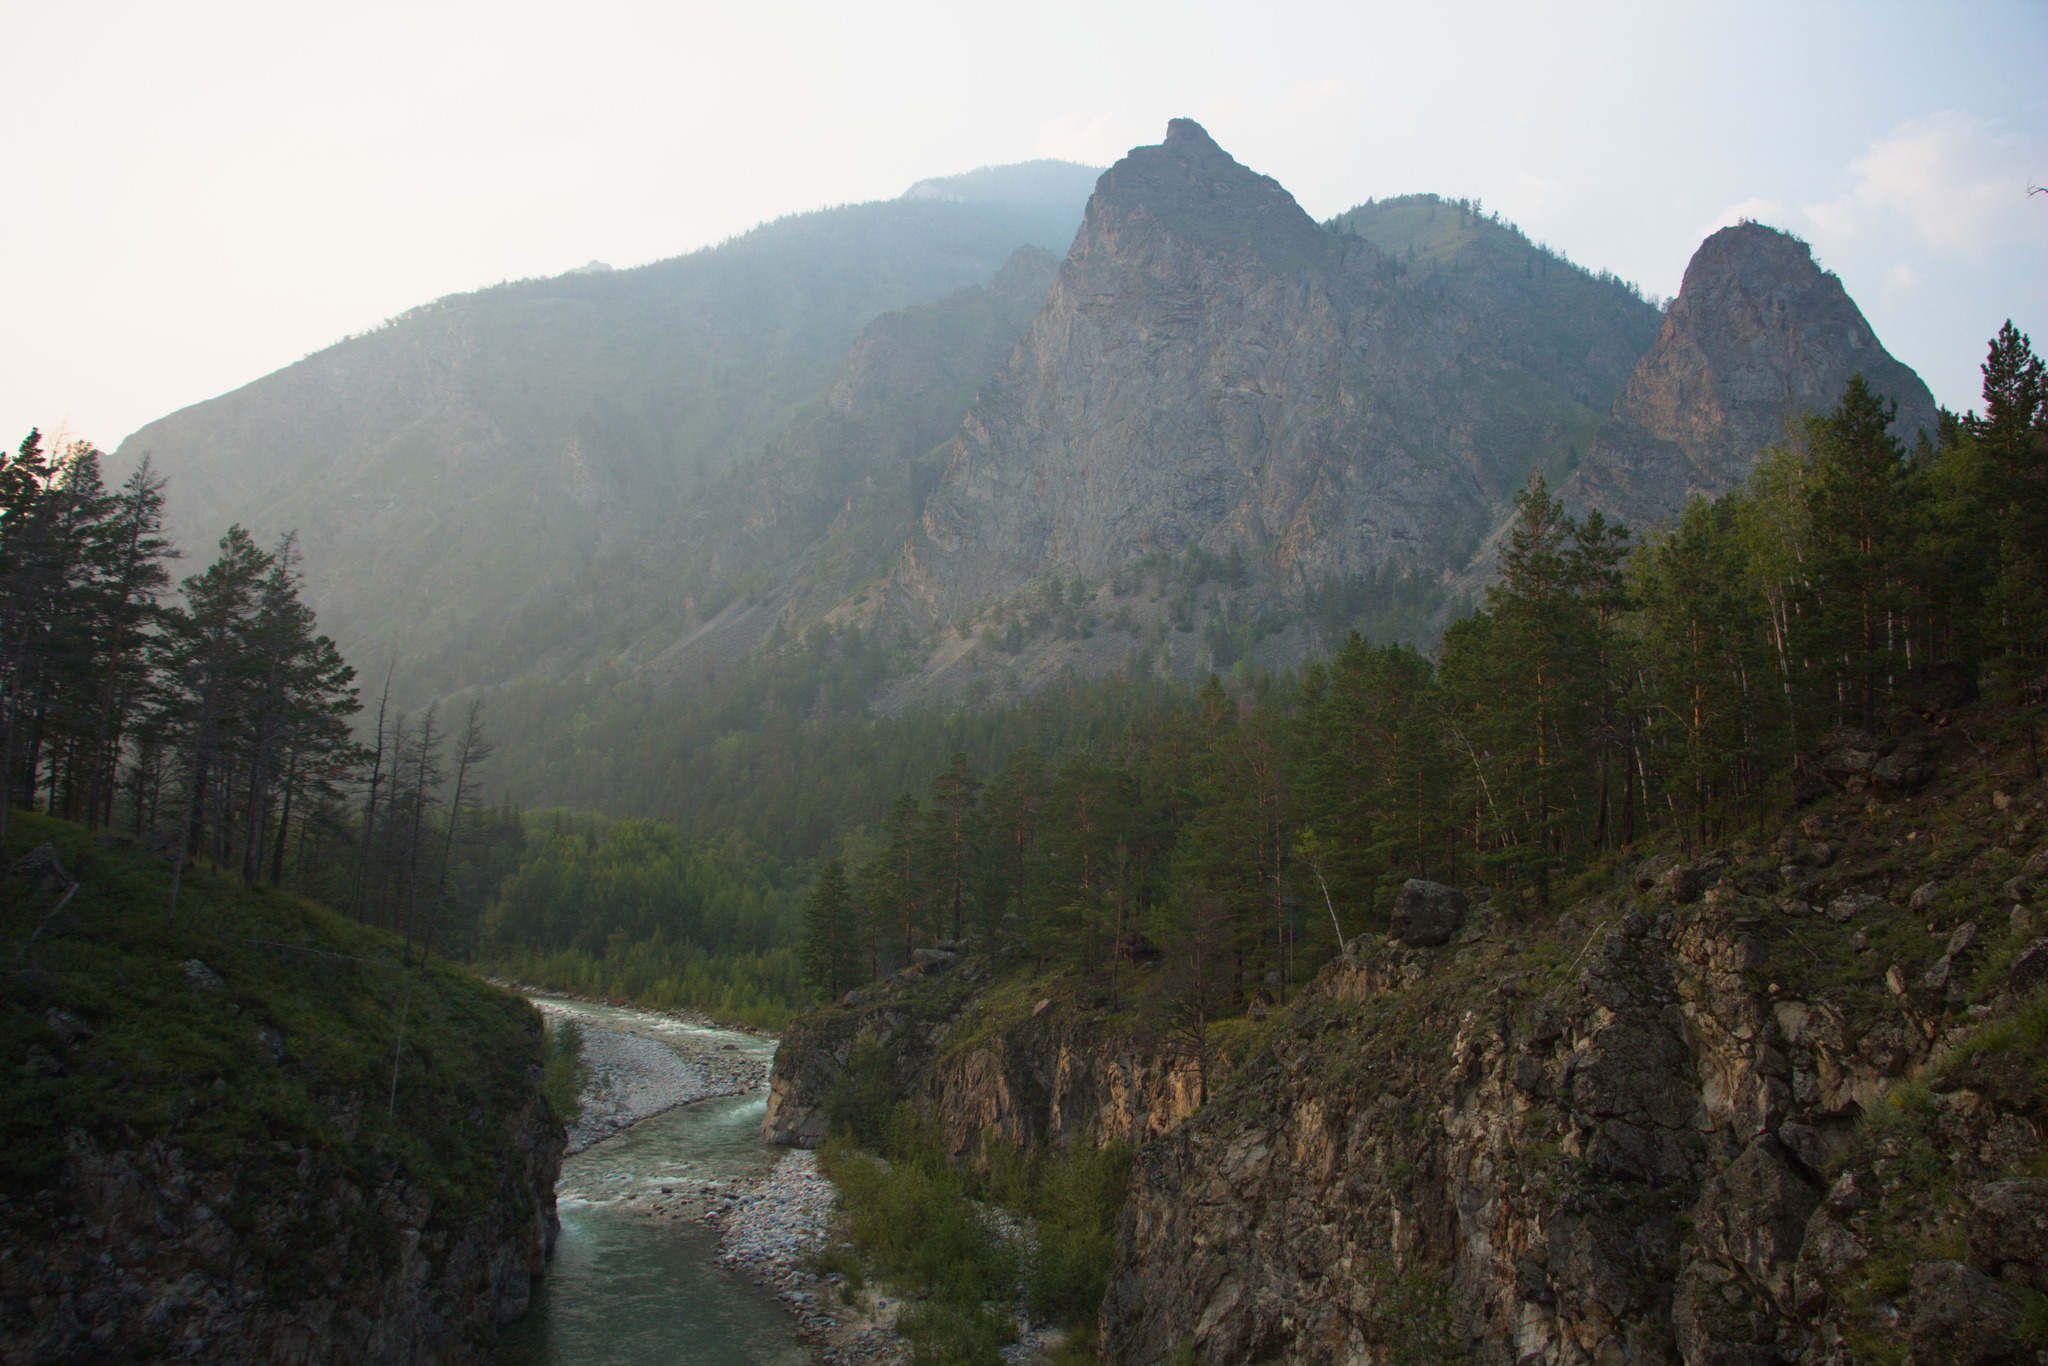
(635, 1279)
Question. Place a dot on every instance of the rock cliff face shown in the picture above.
(1758, 336)
(1048, 1076)
(283, 1256)
(1215, 371)
(295, 1149)
(1742, 1113)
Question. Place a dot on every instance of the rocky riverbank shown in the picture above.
(770, 1234)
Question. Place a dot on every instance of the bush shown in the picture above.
(862, 1102)
(563, 1071)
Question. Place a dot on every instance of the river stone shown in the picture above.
(1427, 914)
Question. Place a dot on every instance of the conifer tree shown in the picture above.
(1860, 508)
(831, 949)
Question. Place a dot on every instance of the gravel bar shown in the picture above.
(633, 1076)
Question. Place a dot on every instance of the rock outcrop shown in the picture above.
(1758, 337)
(1779, 1102)
(1053, 1073)
(256, 1134)
(280, 1257)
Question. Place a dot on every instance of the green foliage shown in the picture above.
(862, 1102)
(924, 1222)
(1076, 1201)
(911, 1217)
(831, 943)
(631, 909)
(563, 1071)
(320, 1037)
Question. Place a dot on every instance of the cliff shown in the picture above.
(1758, 337)
(253, 1135)
(1781, 1102)
(1038, 1063)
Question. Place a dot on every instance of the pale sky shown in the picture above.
(200, 193)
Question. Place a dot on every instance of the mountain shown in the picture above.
(452, 472)
(1758, 336)
(1215, 432)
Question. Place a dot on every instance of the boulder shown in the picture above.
(1427, 914)
(1133, 947)
(1685, 882)
(933, 960)
(200, 977)
(1845, 757)
(1961, 1317)
(1852, 904)
(2009, 1232)
(1905, 770)
(2029, 967)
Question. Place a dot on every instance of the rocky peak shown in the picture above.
(1758, 336)
(1199, 191)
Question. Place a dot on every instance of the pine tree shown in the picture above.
(831, 949)
(2013, 433)
(1860, 506)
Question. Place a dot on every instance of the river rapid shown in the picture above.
(635, 1280)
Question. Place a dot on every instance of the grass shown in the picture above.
(317, 1040)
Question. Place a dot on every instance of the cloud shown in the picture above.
(1953, 179)
(1901, 276)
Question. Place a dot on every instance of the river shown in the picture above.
(626, 1288)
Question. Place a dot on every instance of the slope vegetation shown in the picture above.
(252, 1134)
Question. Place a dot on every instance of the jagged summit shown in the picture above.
(1199, 191)
(1758, 336)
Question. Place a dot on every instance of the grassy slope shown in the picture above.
(167, 1060)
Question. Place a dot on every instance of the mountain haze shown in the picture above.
(450, 472)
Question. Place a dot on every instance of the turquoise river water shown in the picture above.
(625, 1289)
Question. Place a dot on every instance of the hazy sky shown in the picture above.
(200, 193)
